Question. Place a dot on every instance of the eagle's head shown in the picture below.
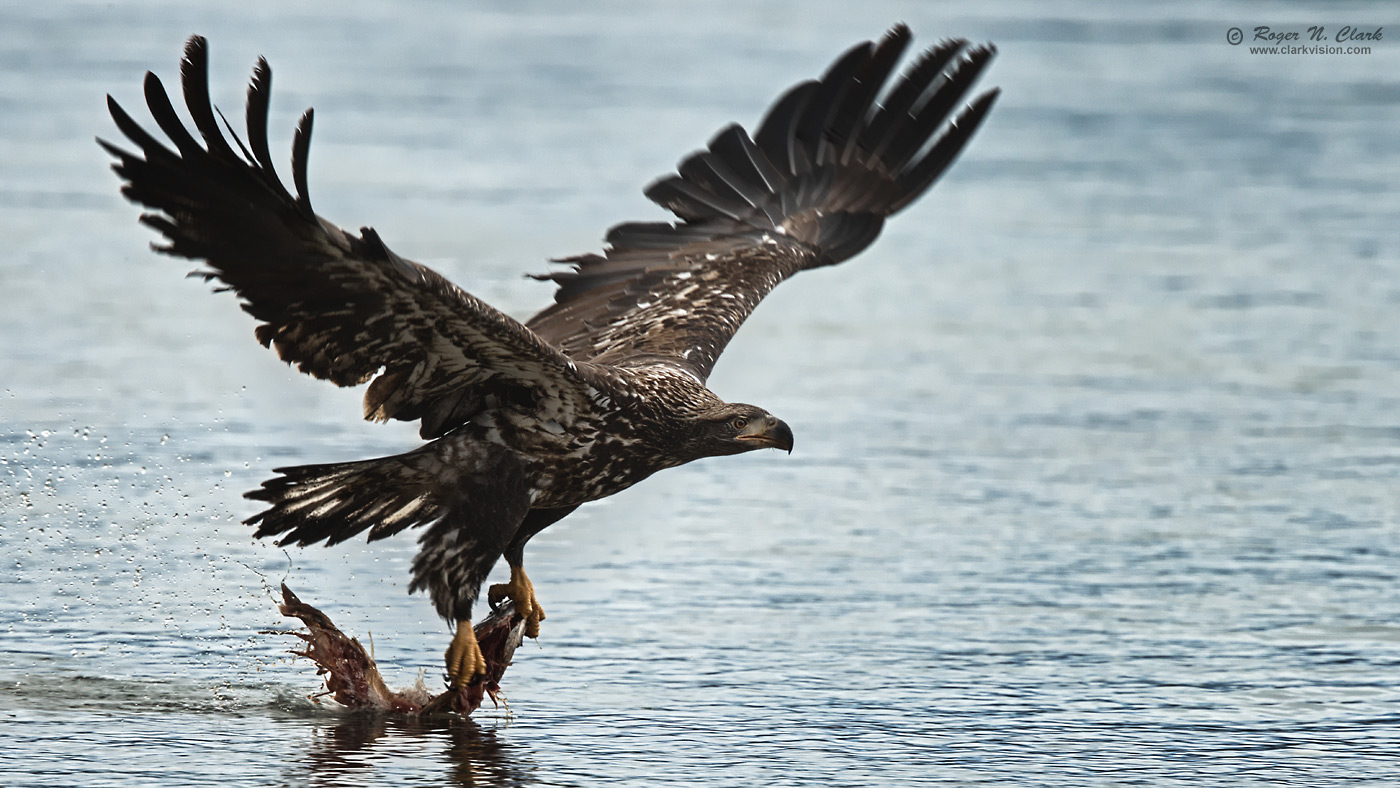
(734, 428)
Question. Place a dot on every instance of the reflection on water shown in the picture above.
(355, 743)
(1098, 476)
(176, 727)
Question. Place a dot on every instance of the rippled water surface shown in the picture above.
(1097, 478)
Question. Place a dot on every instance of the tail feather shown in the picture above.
(334, 502)
(471, 496)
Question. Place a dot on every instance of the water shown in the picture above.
(1097, 448)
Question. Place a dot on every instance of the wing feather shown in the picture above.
(259, 99)
(775, 134)
(812, 187)
(815, 130)
(340, 307)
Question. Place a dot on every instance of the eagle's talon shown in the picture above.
(497, 594)
(465, 663)
(522, 592)
(532, 622)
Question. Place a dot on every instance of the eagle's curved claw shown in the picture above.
(465, 664)
(522, 592)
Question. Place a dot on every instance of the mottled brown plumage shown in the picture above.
(601, 389)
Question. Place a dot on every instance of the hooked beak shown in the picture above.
(769, 433)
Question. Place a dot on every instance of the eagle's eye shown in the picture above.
(739, 422)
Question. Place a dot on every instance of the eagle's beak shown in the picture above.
(769, 433)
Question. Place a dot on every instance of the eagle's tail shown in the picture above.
(336, 501)
(834, 156)
(472, 495)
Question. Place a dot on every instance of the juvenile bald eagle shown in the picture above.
(606, 386)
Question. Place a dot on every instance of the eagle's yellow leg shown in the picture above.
(464, 660)
(522, 592)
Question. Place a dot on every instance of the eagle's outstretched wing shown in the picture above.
(341, 307)
(813, 187)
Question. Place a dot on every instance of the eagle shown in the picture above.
(525, 422)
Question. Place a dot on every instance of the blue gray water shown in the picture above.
(1097, 478)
